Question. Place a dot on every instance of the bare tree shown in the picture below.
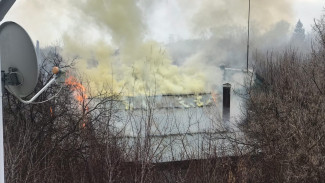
(285, 114)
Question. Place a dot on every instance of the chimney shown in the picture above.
(226, 104)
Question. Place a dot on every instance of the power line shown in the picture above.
(249, 14)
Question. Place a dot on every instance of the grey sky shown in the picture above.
(307, 10)
(166, 20)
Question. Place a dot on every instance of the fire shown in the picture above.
(80, 95)
(214, 97)
(51, 111)
(78, 88)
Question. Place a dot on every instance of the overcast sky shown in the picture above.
(165, 20)
(307, 10)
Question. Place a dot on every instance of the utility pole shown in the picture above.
(249, 15)
(5, 5)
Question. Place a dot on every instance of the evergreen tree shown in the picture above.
(299, 32)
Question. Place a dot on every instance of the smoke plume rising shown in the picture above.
(111, 39)
(127, 60)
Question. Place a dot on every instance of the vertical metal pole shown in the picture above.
(2, 163)
(249, 15)
(226, 105)
(4, 8)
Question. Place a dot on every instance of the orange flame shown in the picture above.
(77, 87)
(51, 111)
(214, 97)
(79, 94)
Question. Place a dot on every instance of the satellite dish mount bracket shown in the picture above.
(10, 78)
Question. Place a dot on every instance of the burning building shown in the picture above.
(172, 127)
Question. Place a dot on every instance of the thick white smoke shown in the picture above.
(112, 39)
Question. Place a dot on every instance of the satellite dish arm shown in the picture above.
(57, 73)
(37, 94)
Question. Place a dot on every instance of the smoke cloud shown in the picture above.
(217, 16)
(111, 39)
(219, 29)
(126, 60)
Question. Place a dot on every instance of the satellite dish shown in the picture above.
(18, 59)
